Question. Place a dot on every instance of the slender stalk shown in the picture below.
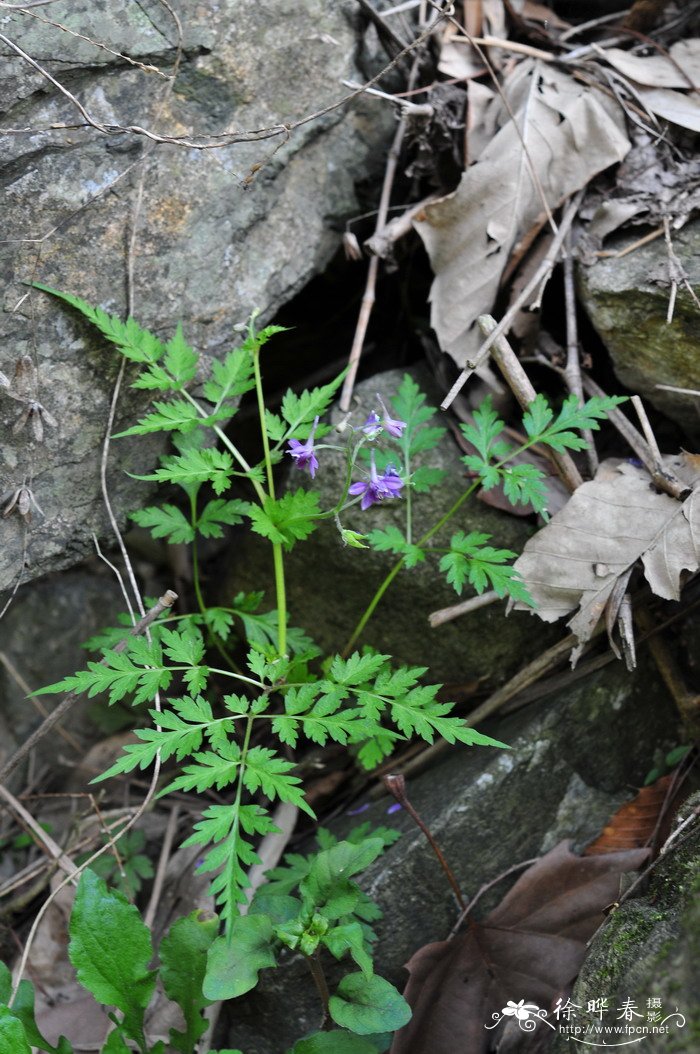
(213, 637)
(359, 628)
(321, 986)
(239, 794)
(277, 557)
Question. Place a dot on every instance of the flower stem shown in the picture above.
(277, 557)
(371, 607)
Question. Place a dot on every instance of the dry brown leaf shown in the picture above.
(566, 133)
(673, 106)
(635, 822)
(531, 947)
(657, 70)
(605, 527)
(458, 59)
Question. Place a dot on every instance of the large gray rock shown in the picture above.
(571, 764)
(650, 949)
(627, 299)
(329, 585)
(210, 245)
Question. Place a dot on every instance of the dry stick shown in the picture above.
(662, 478)
(484, 889)
(438, 618)
(368, 297)
(41, 837)
(676, 273)
(541, 275)
(572, 371)
(166, 601)
(519, 383)
(380, 243)
(165, 851)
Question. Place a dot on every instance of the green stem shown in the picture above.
(359, 628)
(213, 637)
(237, 802)
(277, 557)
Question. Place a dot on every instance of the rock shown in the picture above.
(649, 950)
(329, 585)
(571, 765)
(42, 634)
(627, 300)
(218, 233)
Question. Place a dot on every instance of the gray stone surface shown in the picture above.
(571, 764)
(330, 585)
(627, 299)
(209, 246)
(650, 948)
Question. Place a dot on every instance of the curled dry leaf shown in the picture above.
(531, 947)
(605, 527)
(566, 133)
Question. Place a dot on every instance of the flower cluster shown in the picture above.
(379, 486)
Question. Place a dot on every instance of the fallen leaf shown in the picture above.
(634, 823)
(673, 106)
(530, 948)
(681, 70)
(605, 527)
(566, 133)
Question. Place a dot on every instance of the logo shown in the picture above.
(598, 1024)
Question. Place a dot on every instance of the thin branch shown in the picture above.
(41, 837)
(572, 371)
(369, 294)
(165, 851)
(541, 274)
(438, 618)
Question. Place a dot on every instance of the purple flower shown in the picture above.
(372, 426)
(394, 428)
(379, 488)
(303, 453)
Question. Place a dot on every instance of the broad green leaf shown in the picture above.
(208, 465)
(115, 1044)
(23, 1010)
(349, 938)
(327, 886)
(485, 430)
(110, 947)
(287, 519)
(218, 512)
(134, 342)
(299, 410)
(180, 359)
(183, 956)
(234, 962)
(13, 1039)
(334, 1042)
(165, 521)
(367, 1006)
(357, 669)
(176, 415)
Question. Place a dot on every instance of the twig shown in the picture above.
(369, 295)
(166, 601)
(165, 851)
(646, 428)
(676, 273)
(412, 109)
(662, 478)
(572, 371)
(42, 837)
(484, 889)
(681, 391)
(507, 45)
(380, 243)
(618, 254)
(542, 273)
(522, 389)
(438, 618)
(225, 139)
